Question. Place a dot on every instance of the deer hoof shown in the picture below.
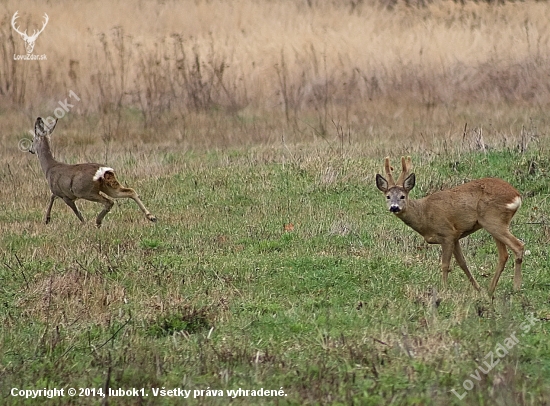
(152, 218)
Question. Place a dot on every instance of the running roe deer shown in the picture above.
(88, 181)
(447, 216)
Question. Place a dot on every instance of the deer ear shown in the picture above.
(39, 129)
(50, 126)
(409, 182)
(381, 183)
(42, 128)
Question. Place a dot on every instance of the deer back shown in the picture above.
(76, 181)
(458, 212)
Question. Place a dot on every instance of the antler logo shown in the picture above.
(29, 40)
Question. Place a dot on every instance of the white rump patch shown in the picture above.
(515, 203)
(101, 172)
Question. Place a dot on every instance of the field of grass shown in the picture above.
(253, 130)
(270, 267)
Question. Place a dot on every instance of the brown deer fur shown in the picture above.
(89, 181)
(447, 216)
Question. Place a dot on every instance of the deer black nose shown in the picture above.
(395, 209)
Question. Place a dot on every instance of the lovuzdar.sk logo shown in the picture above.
(30, 40)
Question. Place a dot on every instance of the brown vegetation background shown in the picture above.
(217, 73)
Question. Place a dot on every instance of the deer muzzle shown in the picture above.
(395, 208)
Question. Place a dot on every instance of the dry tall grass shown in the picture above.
(300, 63)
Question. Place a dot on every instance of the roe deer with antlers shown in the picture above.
(447, 216)
(88, 181)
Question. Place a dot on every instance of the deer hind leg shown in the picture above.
(71, 204)
(462, 263)
(502, 259)
(129, 193)
(111, 187)
(517, 248)
(505, 238)
(107, 205)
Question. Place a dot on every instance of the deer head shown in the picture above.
(397, 193)
(29, 40)
(41, 131)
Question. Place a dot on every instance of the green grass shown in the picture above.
(342, 307)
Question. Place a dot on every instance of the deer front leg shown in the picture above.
(72, 205)
(447, 249)
(462, 263)
(49, 208)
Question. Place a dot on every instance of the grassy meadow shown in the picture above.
(253, 130)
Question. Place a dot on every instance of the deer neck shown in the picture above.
(414, 214)
(45, 155)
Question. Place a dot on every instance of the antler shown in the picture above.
(24, 34)
(406, 166)
(389, 170)
(36, 34)
(15, 17)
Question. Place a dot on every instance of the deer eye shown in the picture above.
(387, 197)
(402, 197)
